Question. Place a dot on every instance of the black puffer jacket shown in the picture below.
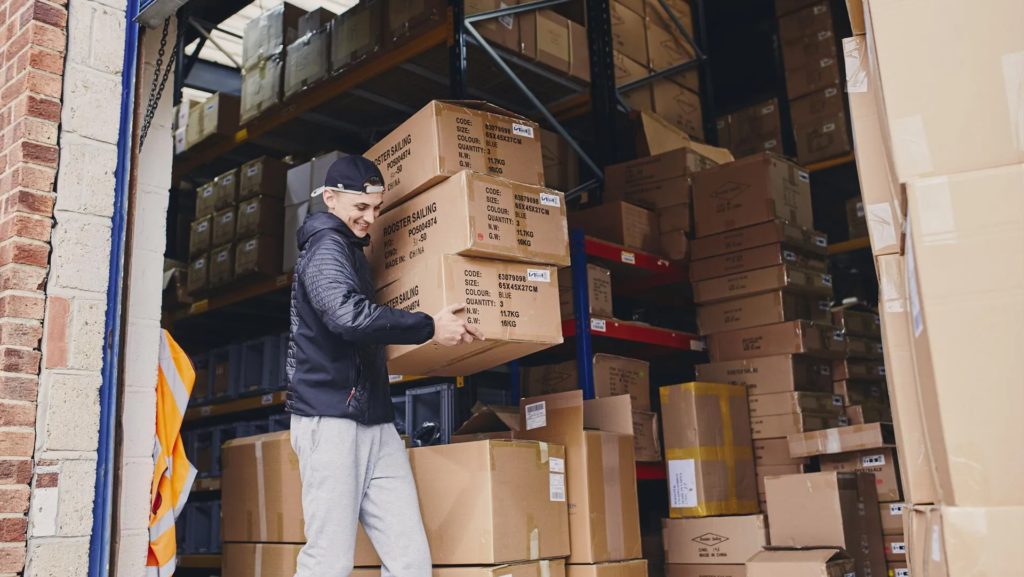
(336, 365)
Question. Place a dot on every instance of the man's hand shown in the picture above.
(450, 330)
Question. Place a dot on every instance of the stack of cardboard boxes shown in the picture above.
(752, 130)
(859, 379)
(201, 121)
(814, 79)
(263, 55)
(467, 220)
(238, 227)
(302, 180)
(941, 196)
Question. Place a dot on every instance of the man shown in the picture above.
(353, 464)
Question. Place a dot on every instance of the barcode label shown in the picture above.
(252, 207)
(896, 509)
(556, 465)
(873, 461)
(682, 483)
(820, 241)
(901, 572)
(598, 325)
(394, 378)
(550, 199)
(536, 416)
(789, 255)
(628, 257)
(538, 275)
(826, 280)
(267, 399)
(557, 486)
(825, 305)
(837, 401)
(202, 226)
(250, 245)
(210, 107)
(199, 264)
(252, 171)
(207, 192)
(899, 547)
(844, 421)
(838, 335)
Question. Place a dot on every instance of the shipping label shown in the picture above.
(536, 416)
(682, 480)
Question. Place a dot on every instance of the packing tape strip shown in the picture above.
(545, 568)
(261, 489)
(258, 562)
(533, 536)
(724, 406)
(543, 452)
(1013, 78)
(613, 496)
(833, 444)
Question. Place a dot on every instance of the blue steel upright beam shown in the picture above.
(581, 310)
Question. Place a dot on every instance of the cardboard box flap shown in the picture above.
(484, 106)
(790, 555)
(557, 413)
(656, 135)
(842, 440)
(552, 567)
(490, 419)
(610, 414)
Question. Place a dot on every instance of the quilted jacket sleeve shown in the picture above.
(333, 290)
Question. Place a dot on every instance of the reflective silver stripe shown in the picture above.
(162, 525)
(168, 569)
(171, 375)
(157, 448)
(186, 490)
(152, 571)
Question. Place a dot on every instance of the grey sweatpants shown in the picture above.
(352, 472)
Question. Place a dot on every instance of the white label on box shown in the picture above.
(538, 275)
(903, 572)
(536, 416)
(830, 92)
(394, 378)
(696, 345)
(628, 257)
(915, 298)
(267, 399)
(768, 109)
(229, 179)
(896, 508)
(825, 370)
(825, 305)
(805, 177)
(202, 226)
(557, 486)
(227, 217)
(860, 210)
(837, 335)
(222, 256)
(873, 461)
(207, 192)
(819, 240)
(507, 21)
(598, 325)
(899, 547)
(770, 144)
(829, 128)
(789, 255)
(556, 465)
(720, 124)
(837, 400)
(252, 171)
(820, 9)
(844, 421)
(881, 370)
(824, 34)
(550, 199)
(199, 264)
(936, 545)
(682, 483)
(825, 62)
(826, 280)
(522, 130)
(211, 106)
(250, 245)
(252, 207)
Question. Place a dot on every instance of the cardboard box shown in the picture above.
(965, 427)
(793, 337)
(626, 71)
(790, 278)
(828, 509)
(820, 125)
(842, 440)
(308, 62)
(678, 218)
(620, 222)
(205, 205)
(755, 258)
(764, 471)
(791, 403)
(357, 34)
(199, 273)
(483, 217)
(612, 376)
(895, 548)
(898, 569)
(409, 19)
(553, 567)
(275, 560)
(667, 48)
(260, 215)
(629, 33)
(314, 20)
(801, 563)
(200, 235)
(855, 221)
(604, 522)
(646, 446)
(705, 570)
(218, 115)
(749, 191)
(264, 176)
(858, 370)
(758, 310)
(269, 33)
(489, 422)
(714, 540)
(635, 568)
(775, 426)
(446, 137)
(891, 515)
(773, 232)
(261, 87)
(501, 32)
(864, 414)
(919, 104)
(599, 288)
(655, 135)
(225, 190)
(631, 178)
(862, 348)
(680, 106)
(756, 129)
(883, 198)
(492, 502)
(859, 393)
(808, 22)
(703, 483)
(769, 452)
(817, 67)
(561, 162)
(223, 227)
(675, 245)
(514, 305)
(858, 323)
(222, 265)
(258, 255)
(916, 470)
(293, 218)
(882, 462)
(771, 374)
(966, 540)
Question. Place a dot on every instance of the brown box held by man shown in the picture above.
(277, 559)
(773, 374)
(357, 34)
(624, 179)
(620, 222)
(858, 370)
(882, 462)
(702, 483)
(775, 426)
(762, 280)
(264, 176)
(477, 499)
(446, 137)
(714, 540)
(489, 422)
(801, 562)
(634, 568)
(613, 376)
(828, 509)
(792, 403)
(749, 191)
(199, 273)
(222, 265)
(225, 190)
(604, 522)
(599, 287)
(892, 517)
(758, 310)
(755, 258)
(258, 255)
(200, 237)
(842, 440)
(794, 337)
(514, 305)
(553, 567)
(483, 216)
(773, 232)
(260, 215)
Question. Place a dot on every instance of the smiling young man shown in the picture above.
(353, 465)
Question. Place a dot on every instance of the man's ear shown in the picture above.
(328, 199)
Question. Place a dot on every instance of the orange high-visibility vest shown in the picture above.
(173, 475)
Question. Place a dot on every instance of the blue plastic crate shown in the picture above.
(261, 364)
(282, 422)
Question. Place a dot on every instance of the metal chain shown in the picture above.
(156, 90)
